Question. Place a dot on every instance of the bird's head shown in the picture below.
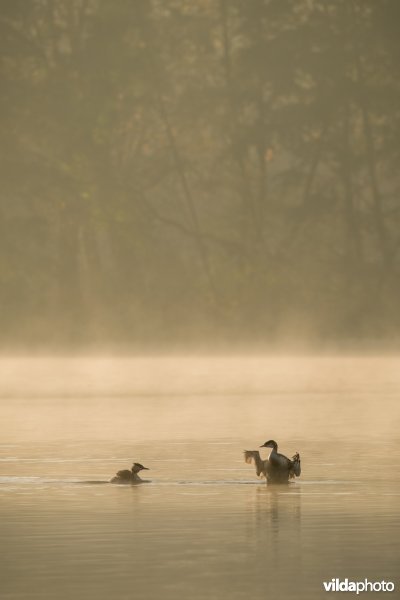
(270, 444)
(136, 467)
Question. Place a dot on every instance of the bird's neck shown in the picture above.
(136, 477)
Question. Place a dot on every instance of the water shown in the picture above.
(204, 527)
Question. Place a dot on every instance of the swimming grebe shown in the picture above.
(131, 476)
(277, 468)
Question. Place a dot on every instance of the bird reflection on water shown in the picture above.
(275, 527)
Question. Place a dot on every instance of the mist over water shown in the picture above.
(179, 397)
(205, 525)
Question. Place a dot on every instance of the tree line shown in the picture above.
(178, 172)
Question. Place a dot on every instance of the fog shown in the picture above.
(205, 175)
(192, 398)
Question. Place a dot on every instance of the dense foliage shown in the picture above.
(189, 171)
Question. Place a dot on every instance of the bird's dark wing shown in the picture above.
(249, 456)
(254, 456)
(295, 468)
(125, 474)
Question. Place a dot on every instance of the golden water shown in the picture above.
(204, 527)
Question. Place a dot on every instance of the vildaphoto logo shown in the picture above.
(344, 585)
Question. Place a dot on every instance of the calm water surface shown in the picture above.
(205, 527)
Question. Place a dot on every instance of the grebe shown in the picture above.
(131, 476)
(277, 468)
